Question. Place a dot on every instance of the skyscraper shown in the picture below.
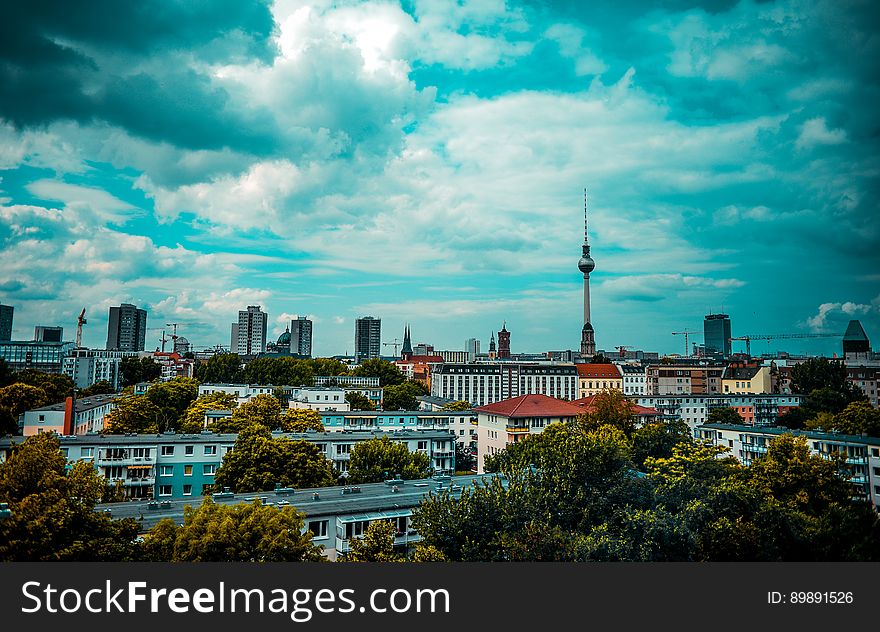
(127, 328)
(249, 333)
(48, 334)
(586, 265)
(472, 346)
(367, 338)
(6, 322)
(301, 336)
(716, 334)
(504, 342)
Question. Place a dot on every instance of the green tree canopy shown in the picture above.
(284, 371)
(134, 413)
(359, 401)
(262, 410)
(56, 386)
(374, 460)
(858, 418)
(724, 415)
(403, 396)
(194, 415)
(259, 461)
(222, 368)
(387, 372)
(825, 384)
(160, 409)
(250, 532)
(98, 388)
(458, 406)
(16, 399)
(134, 370)
(301, 420)
(377, 545)
(52, 509)
(657, 440)
(610, 408)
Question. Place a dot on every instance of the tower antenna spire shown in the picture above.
(585, 214)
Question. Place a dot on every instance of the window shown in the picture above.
(423, 445)
(167, 450)
(210, 450)
(166, 470)
(188, 450)
(87, 453)
(164, 490)
(210, 470)
(187, 470)
(318, 528)
(187, 490)
(42, 417)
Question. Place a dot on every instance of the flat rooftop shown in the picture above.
(810, 434)
(82, 405)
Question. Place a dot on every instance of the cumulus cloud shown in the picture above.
(815, 132)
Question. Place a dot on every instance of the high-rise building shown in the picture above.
(472, 346)
(48, 334)
(504, 342)
(127, 328)
(6, 322)
(716, 334)
(249, 333)
(301, 336)
(586, 265)
(367, 338)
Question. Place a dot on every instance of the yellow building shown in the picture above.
(746, 379)
(595, 378)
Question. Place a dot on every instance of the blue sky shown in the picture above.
(424, 162)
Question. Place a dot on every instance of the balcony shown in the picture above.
(103, 459)
(517, 429)
(443, 454)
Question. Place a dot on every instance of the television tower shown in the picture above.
(587, 265)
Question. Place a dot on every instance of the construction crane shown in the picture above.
(687, 333)
(621, 349)
(394, 343)
(174, 335)
(80, 321)
(748, 339)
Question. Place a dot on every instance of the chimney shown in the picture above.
(68, 416)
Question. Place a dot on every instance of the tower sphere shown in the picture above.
(586, 264)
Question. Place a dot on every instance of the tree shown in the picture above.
(250, 532)
(135, 370)
(328, 366)
(458, 406)
(278, 371)
(52, 507)
(98, 388)
(465, 460)
(403, 396)
(794, 418)
(16, 399)
(657, 440)
(600, 359)
(56, 386)
(134, 413)
(264, 410)
(612, 408)
(359, 401)
(259, 461)
(374, 460)
(377, 545)
(172, 398)
(858, 418)
(301, 420)
(222, 368)
(194, 415)
(825, 384)
(724, 415)
(387, 372)
(5, 374)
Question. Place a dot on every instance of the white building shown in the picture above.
(68, 417)
(249, 333)
(317, 398)
(89, 366)
(760, 410)
(634, 380)
(485, 383)
(243, 392)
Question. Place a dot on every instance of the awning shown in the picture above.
(140, 467)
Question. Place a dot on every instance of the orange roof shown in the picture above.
(598, 370)
(532, 405)
(640, 411)
(420, 359)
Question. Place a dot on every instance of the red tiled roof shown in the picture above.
(598, 370)
(532, 405)
(417, 359)
(640, 411)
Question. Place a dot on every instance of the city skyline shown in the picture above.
(435, 176)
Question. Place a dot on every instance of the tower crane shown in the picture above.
(394, 343)
(748, 339)
(174, 335)
(687, 333)
(621, 349)
(80, 321)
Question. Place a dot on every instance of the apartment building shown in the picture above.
(486, 383)
(633, 379)
(748, 379)
(682, 379)
(76, 417)
(595, 378)
(320, 398)
(867, 378)
(89, 366)
(760, 410)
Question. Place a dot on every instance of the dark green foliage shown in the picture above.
(374, 460)
(222, 368)
(359, 401)
(57, 387)
(724, 415)
(98, 388)
(388, 373)
(403, 396)
(134, 370)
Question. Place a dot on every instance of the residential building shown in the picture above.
(249, 333)
(334, 515)
(6, 313)
(419, 367)
(172, 365)
(643, 414)
(746, 379)
(367, 338)
(448, 356)
(868, 380)
(633, 379)
(317, 398)
(183, 465)
(683, 379)
(501, 423)
(70, 417)
(89, 366)
(127, 328)
(30, 354)
(43, 333)
(748, 443)
(716, 334)
(301, 336)
(595, 378)
(485, 383)
(760, 410)
(243, 392)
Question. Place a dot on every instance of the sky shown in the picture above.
(424, 162)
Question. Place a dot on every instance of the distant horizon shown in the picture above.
(424, 163)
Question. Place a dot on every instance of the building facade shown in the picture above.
(367, 338)
(486, 383)
(716, 334)
(68, 417)
(760, 410)
(595, 378)
(43, 333)
(6, 313)
(249, 333)
(30, 354)
(633, 379)
(89, 366)
(748, 379)
(301, 336)
(126, 328)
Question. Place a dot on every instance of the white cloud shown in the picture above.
(815, 132)
(836, 313)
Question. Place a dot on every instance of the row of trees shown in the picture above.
(828, 393)
(227, 368)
